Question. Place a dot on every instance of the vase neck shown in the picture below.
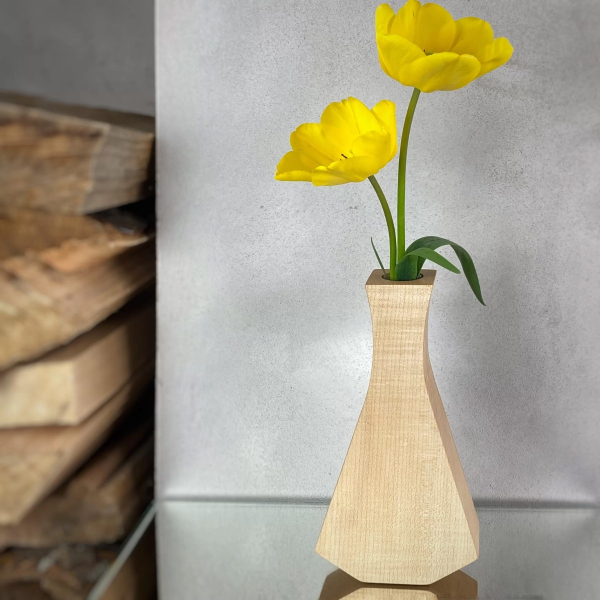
(399, 313)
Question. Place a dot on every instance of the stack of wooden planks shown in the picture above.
(77, 339)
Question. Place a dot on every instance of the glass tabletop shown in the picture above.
(264, 551)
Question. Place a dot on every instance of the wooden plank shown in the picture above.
(42, 308)
(36, 460)
(70, 572)
(67, 243)
(99, 505)
(401, 512)
(62, 158)
(137, 578)
(23, 591)
(65, 386)
(62, 573)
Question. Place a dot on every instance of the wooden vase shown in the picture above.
(401, 512)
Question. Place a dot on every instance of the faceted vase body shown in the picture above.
(401, 512)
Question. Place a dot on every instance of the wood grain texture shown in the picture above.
(137, 578)
(99, 504)
(42, 308)
(65, 386)
(401, 512)
(67, 243)
(23, 591)
(35, 460)
(61, 573)
(62, 158)
(457, 586)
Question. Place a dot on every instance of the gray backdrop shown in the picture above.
(92, 52)
(264, 327)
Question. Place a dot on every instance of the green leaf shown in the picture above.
(377, 255)
(406, 269)
(463, 256)
(429, 254)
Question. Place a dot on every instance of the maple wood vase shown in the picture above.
(401, 512)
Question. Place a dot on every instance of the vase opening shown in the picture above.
(386, 276)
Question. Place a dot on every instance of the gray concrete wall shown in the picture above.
(264, 328)
(91, 52)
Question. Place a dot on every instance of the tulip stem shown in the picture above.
(390, 224)
(402, 174)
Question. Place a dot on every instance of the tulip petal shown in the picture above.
(383, 17)
(435, 29)
(295, 166)
(405, 23)
(365, 120)
(293, 176)
(351, 170)
(310, 139)
(395, 52)
(357, 167)
(323, 176)
(375, 144)
(385, 113)
(445, 71)
(338, 125)
(344, 121)
(496, 54)
(472, 37)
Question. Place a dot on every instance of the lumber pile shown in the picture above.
(34, 460)
(136, 580)
(70, 572)
(62, 573)
(77, 337)
(98, 504)
(76, 272)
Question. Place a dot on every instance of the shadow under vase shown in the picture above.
(457, 586)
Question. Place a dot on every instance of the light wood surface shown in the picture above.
(65, 386)
(401, 512)
(35, 460)
(457, 586)
(98, 505)
(61, 158)
(42, 308)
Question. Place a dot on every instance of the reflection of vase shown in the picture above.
(401, 511)
(339, 585)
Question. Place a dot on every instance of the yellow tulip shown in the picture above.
(425, 48)
(350, 144)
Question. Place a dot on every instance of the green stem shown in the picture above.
(390, 225)
(402, 173)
